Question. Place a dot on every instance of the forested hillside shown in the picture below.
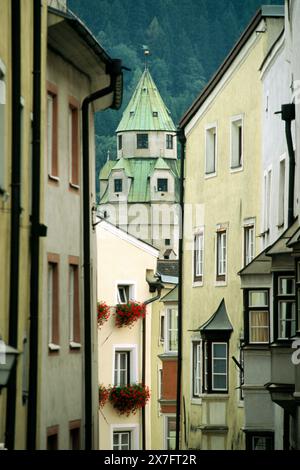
(188, 40)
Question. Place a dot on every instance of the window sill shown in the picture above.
(207, 176)
(53, 179)
(220, 283)
(237, 169)
(53, 347)
(215, 396)
(197, 284)
(74, 187)
(196, 401)
(75, 346)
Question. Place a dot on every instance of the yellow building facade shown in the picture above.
(222, 207)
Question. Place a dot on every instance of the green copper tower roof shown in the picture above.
(146, 110)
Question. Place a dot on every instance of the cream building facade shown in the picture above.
(123, 265)
(223, 165)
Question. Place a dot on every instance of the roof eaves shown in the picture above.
(83, 31)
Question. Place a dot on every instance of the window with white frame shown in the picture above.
(249, 244)
(170, 432)
(198, 256)
(221, 255)
(219, 367)
(210, 150)
(236, 143)
(124, 293)
(2, 129)
(122, 440)
(257, 317)
(281, 201)
(285, 308)
(122, 368)
(171, 343)
(196, 368)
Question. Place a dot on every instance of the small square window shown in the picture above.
(155, 114)
(167, 242)
(118, 185)
(162, 185)
(142, 141)
(122, 440)
(124, 293)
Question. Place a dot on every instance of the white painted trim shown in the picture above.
(133, 428)
(129, 238)
(132, 349)
(53, 347)
(238, 61)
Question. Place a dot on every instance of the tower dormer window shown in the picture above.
(162, 185)
(118, 185)
(169, 141)
(120, 142)
(142, 141)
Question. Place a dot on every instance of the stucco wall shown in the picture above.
(122, 262)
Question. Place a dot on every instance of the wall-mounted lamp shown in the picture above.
(8, 357)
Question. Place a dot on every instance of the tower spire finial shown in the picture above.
(146, 55)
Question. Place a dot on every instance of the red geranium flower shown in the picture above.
(129, 398)
(127, 314)
(103, 312)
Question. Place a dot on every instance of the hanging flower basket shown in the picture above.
(103, 395)
(128, 314)
(103, 312)
(129, 398)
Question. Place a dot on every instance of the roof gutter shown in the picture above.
(37, 230)
(115, 71)
(15, 216)
(182, 141)
(158, 286)
(288, 114)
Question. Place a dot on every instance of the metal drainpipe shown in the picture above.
(182, 140)
(15, 216)
(116, 70)
(37, 230)
(288, 114)
(147, 302)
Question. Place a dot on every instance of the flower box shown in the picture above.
(129, 398)
(127, 314)
(103, 313)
